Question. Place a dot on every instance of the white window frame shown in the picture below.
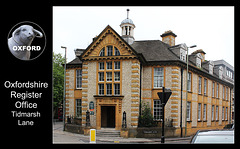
(226, 113)
(109, 65)
(100, 89)
(109, 89)
(188, 111)
(199, 85)
(223, 108)
(199, 111)
(205, 87)
(116, 51)
(102, 52)
(109, 76)
(226, 93)
(117, 65)
(158, 77)
(101, 76)
(205, 112)
(116, 89)
(116, 77)
(78, 78)
(157, 110)
(101, 65)
(109, 51)
(223, 92)
(198, 62)
(212, 112)
(213, 89)
(78, 112)
(189, 82)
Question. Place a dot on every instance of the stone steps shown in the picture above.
(108, 132)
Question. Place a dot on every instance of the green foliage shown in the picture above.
(146, 119)
(58, 79)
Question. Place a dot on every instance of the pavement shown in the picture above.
(63, 137)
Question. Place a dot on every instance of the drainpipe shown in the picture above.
(140, 106)
(181, 102)
(230, 114)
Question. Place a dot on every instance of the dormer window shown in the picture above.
(180, 50)
(182, 54)
(198, 60)
(220, 72)
(211, 65)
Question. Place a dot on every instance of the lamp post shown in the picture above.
(64, 95)
(193, 46)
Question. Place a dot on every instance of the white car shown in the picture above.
(224, 136)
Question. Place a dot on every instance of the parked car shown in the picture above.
(229, 126)
(213, 136)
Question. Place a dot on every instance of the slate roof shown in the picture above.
(154, 50)
(74, 63)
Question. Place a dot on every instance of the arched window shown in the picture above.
(117, 53)
(102, 52)
(109, 51)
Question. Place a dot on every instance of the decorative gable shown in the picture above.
(108, 40)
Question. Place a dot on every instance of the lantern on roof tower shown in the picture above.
(127, 27)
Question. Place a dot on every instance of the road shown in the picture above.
(63, 137)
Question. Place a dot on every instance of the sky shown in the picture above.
(210, 28)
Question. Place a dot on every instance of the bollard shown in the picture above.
(92, 135)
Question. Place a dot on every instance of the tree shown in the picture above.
(58, 80)
(146, 119)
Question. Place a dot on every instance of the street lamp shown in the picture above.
(193, 46)
(64, 95)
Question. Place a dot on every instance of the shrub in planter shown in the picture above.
(146, 119)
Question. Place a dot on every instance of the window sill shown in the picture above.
(103, 96)
(157, 88)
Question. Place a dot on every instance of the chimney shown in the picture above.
(168, 37)
(78, 52)
(94, 38)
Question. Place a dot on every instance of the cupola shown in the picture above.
(128, 29)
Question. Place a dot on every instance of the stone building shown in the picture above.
(117, 73)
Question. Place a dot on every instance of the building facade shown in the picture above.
(116, 74)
